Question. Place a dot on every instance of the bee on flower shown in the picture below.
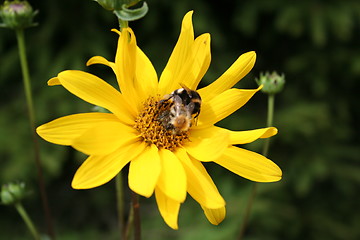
(163, 128)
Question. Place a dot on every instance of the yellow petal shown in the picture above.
(100, 60)
(243, 137)
(64, 130)
(172, 180)
(250, 165)
(105, 138)
(125, 64)
(235, 73)
(223, 105)
(169, 79)
(199, 184)
(98, 170)
(215, 216)
(54, 81)
(95, 91)
(168, 208)
(146, 78)
(196, 64)
(144, 171)
(202, 58)
(207, 144)
(145, 82)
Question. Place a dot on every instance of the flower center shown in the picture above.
(151, 128)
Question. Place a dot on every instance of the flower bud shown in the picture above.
(17, 14)
(109, 5)
(125, 10)
(12, 193)
(112, 5)
(272, 82)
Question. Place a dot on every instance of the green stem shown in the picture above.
(123, 24)
(120, 204)
(27, 220)
(134, 218)
(137, 221)
(31, 113)
(269, 123)
(130, 223)
(248, 210)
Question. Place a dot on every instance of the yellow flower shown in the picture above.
(162, 162)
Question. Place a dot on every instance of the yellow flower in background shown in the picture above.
(160, 161)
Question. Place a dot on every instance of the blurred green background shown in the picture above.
(316, 45)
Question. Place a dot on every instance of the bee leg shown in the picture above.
(166, 98)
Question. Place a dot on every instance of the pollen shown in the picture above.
(151, 129)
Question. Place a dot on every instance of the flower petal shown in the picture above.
(215, 216)
(100, 60)
(98, 170)
(235, 73)
(168, 208)
(223, 105)
(54, 81)
(105, 138)
(146, 77)
(243, 137)
(64, 130)
(172, 180)
(144, 171)
(250, 165)
(125, 65)
(94, 90)
(170, 79)
(207, 144)
(192, 63)
(199, 184)
(202, 58)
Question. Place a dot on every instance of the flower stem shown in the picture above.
(31, 113)
(120, 204)
(27, 220)
(129, 224)
(123, 24)
(248, 210)
(270, 117)
(136, 208)
(269, 123)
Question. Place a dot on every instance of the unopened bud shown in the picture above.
(272, 82)
(17, 14)
(112, 5)
(125, 10)
(12, 193)
(109, 5)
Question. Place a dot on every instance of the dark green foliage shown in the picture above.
(316, 45)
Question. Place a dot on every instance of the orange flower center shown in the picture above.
(151, 128)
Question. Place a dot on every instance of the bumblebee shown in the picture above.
(184, 107)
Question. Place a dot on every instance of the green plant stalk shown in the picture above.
(136, 212)
(31, 113)
(120, 204)
(129, 225)
(27, 220)
(123, 24)
(269, 123)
